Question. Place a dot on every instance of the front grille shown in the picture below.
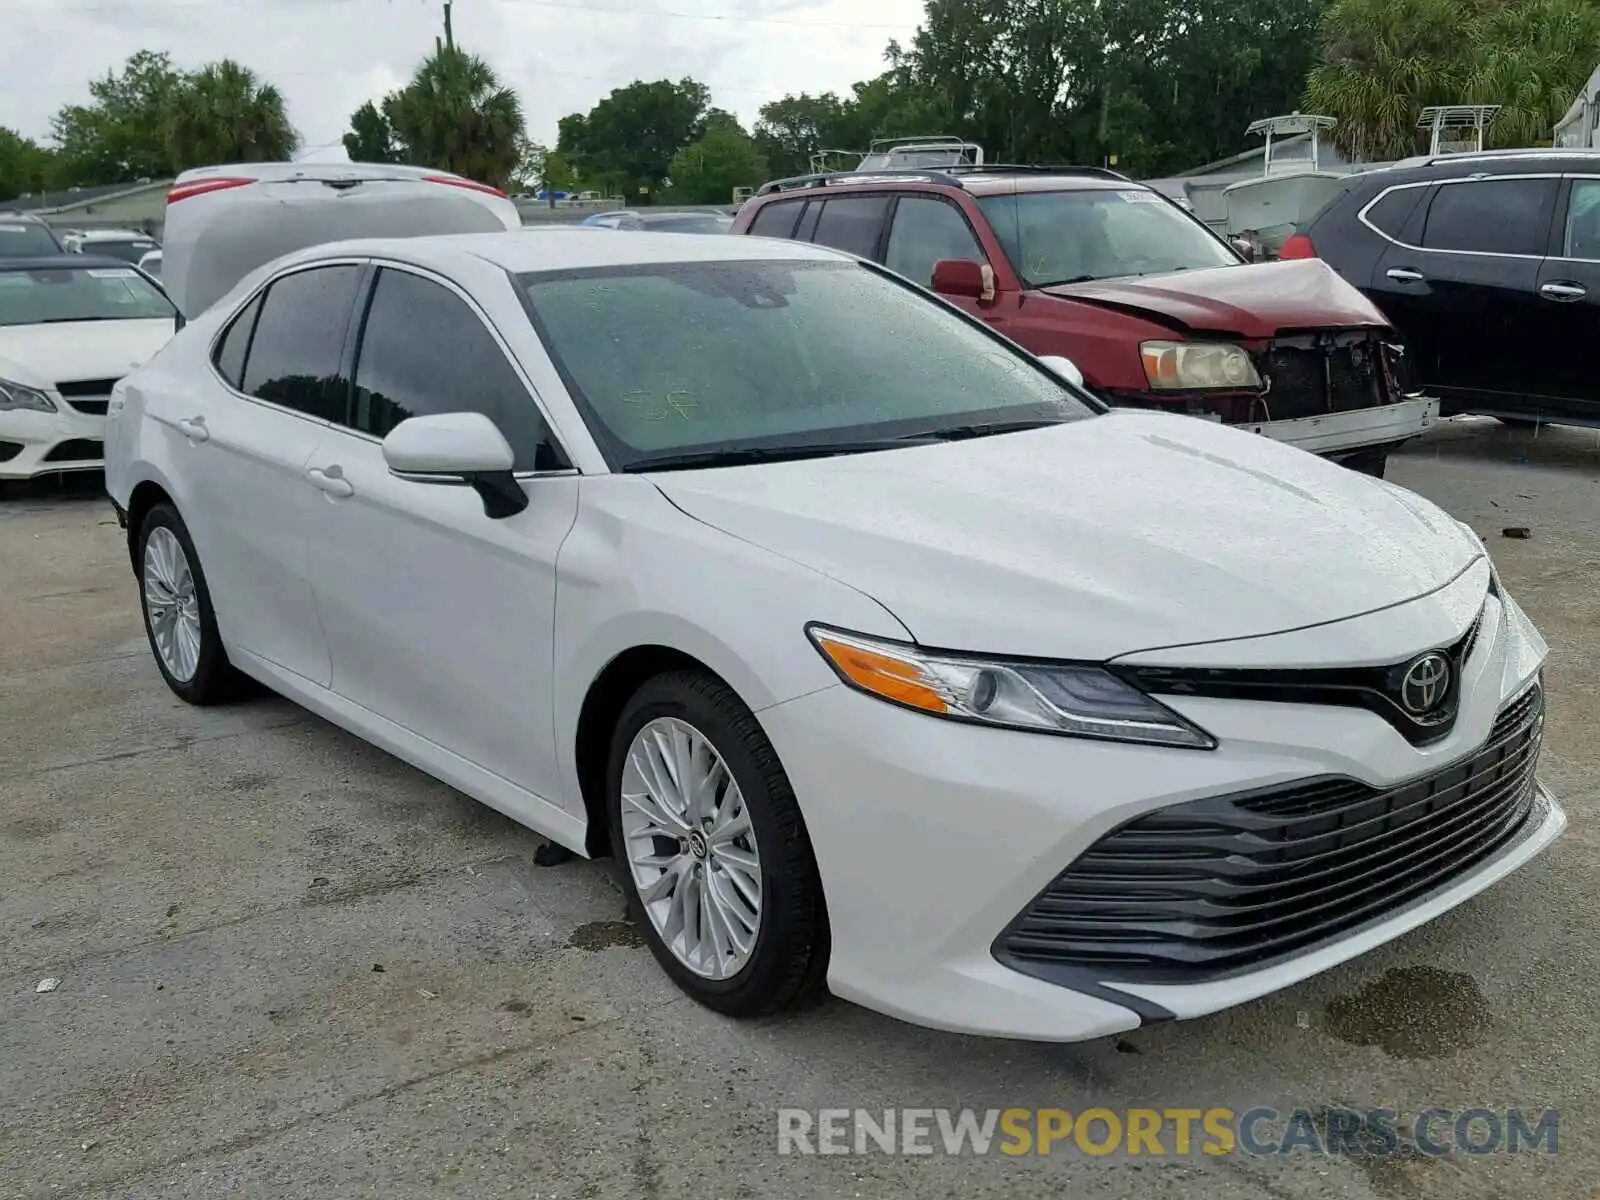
(76, 450)
(88, 396)
(1376, 689)
(1315, 374)
(1226, 884)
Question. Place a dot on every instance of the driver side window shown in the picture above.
(926, 230)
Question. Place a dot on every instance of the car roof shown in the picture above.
(1488, 163)
(996, 180)
(568, 249)
(69, 262)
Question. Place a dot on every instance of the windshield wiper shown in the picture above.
(768, 454)
(74, 320)
(1065, 282)
(956, 433)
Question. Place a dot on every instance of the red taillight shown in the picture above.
(199, 187)
(468, 184)
(1298, 245)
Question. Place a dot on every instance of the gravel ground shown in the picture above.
(291, 966)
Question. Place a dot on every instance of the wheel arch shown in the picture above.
(145, 495)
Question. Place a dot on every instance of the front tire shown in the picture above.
(178, 617)
(711, 849)
(1369, 462)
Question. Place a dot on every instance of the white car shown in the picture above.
(222, 221)
(71, 326)
(128, 245)
(876, 652)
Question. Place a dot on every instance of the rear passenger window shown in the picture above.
(401, 371)
(297, 353)
(1391, 212)
(852, 223)
(234, 342)
(1491, 216)
(777, 220)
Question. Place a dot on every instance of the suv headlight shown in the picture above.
(1180, 366)
(1063, 698)
(14, 396)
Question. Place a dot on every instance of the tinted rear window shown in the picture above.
(777, 219)
(1491, 216)
(852, 223)
(25, 239)
(1391, 212)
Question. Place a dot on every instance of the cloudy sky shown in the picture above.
(328, 56)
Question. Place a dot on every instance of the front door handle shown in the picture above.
(330, 480)
(194, 428)
(1563, 293)
(1404, 275)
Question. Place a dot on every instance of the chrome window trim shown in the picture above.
(1480, 177)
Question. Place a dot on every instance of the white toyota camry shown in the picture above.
(70, 327)
(877, 653)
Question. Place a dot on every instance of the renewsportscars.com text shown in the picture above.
(1167, 1132)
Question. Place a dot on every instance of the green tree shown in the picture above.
(25, 166)
(456, 114)
(1383, 61)
(121, 135)
(556, 174)
(707, 171)
(628, 140)
(223, 113)
(790, 131)
(371, 138)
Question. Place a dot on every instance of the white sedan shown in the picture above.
(876, 653)
(70, 327)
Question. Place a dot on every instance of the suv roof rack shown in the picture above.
(944, 176)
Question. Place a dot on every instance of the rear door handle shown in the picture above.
(330, 480)
(1563, 293)
(1404, 275)
(194, 428)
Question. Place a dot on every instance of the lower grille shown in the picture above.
(9, 450)
(1313, 375)
(1227, 884)
(76, 450)
(88, 396)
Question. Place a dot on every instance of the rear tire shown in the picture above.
(696, 871)
(1369, 462)
(178, 618)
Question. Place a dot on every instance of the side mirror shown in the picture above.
(1063, 367)
(463, 447)
(1245, 247)
(963, 277)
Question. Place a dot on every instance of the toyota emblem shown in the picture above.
(1424, 684)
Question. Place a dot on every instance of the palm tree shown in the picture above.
(223, 113)
(1383, 61)
(456, 114)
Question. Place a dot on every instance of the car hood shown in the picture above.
(44, 355)
(1255, 301)
(1099, 538)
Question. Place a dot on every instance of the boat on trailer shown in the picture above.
(1292, 185)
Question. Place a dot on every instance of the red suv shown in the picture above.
(1153, 308)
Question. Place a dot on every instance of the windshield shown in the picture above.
(24, 239)
(40, 297)
(1071, 237)
(669, 359)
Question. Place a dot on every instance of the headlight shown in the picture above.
(14, 396)
(1177, 366)
(1062, 698)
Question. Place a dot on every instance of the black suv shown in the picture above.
(1489, 266)
(23, 235)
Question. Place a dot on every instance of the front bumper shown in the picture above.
(931, 837)
(1357, 429)
(37, 443)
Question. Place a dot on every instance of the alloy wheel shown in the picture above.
(691, 848)
(171, 604)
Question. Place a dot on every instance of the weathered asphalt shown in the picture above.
(293, 967)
